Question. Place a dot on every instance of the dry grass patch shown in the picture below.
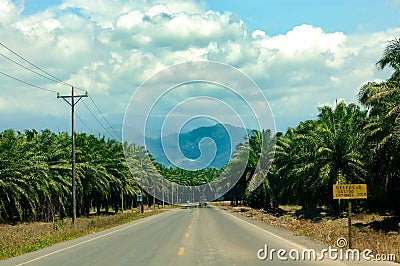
(378, 233)
(22, 238)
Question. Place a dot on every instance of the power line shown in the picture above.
(49, 77)
(27, 68)
(59, 81)
(22, 58)
(108, 123)
(27, 83)
(83, 122)
(35, 66)
(98, 121)
(79, 88)
(98, 109)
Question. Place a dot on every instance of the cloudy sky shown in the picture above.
(302, 54)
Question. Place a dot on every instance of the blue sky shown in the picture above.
(279, 16)
(302, 54)
(31, 7)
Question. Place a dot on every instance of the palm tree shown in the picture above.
(317, 154)
(383, 102)
(258, 192)
(384, 97)
(24, 180)
(391, 57)
(341, 139)
(296, 175)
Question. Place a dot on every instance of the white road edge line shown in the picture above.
(89, 240)
(266, 231)
(283, 239)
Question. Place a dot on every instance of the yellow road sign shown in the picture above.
(350, 191)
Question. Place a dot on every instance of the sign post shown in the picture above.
(349, 224)
(349, 192)
(139, 197)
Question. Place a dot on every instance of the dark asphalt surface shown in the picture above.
(195, 236)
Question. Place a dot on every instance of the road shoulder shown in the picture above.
(75, 243)
(302, 242)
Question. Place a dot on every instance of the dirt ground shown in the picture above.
(381, 234)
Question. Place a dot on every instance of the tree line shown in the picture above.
(35, 175)
(347, 143)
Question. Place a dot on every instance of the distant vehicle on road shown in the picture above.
(202, 201)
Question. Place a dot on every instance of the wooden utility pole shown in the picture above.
(349, 225)
(72, 103)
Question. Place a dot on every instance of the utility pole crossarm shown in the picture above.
(72, 96)
(72, 103)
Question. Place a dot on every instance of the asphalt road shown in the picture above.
(197, 236)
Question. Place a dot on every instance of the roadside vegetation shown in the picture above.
(346, 143)
(27, 237)
(35, 176)
(370, 230)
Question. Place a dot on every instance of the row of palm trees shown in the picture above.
(319, 153)
(345, 144)
(185, 177)
(35, 175)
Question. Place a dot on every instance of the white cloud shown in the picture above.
(303, 39)
(129, 20)
(158, 9)
(9, 11)
(110, 47)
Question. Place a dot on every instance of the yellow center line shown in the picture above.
(187, 235)
(181, 251)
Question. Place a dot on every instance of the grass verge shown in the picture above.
(18, 239)
(378, 233)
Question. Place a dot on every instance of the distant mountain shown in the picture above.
(209, 146)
